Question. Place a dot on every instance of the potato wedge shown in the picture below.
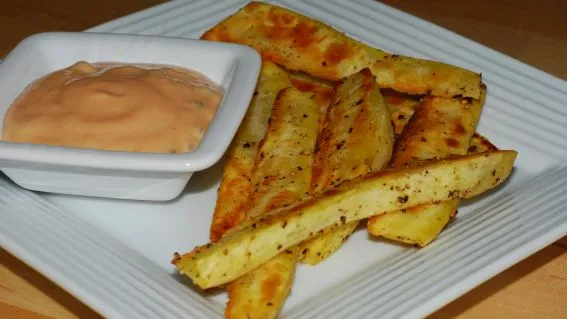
(401, 106)
(480, 144)
(299, 43)
(294, 41)
(235, 187)
(357, 139)
(262, 292)
(439, 128)
(417, 225)
(283, 168)
(322, 89)
(315, 250)
(307, 83)
(281, 177)
(252, 244)
(416, 76)
(421, 224)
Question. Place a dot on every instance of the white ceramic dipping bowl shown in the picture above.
(124, 175)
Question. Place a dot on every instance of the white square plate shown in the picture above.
(114, 255)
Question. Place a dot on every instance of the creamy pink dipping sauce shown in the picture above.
(119, 107)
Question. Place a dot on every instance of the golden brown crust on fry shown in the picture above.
(415, 76)
(294, 41)
(421, 224)
(235, 187)
(307, 162)
(322, 246)
(232, 187)
(299, 43)
(439, 128)
(356, 132)
(401, 106)
(417, 225)
(480, 144)
(357, 139)
(281, 177)
(283, 168)
(322, 89)
(261, 293)
(259, 240)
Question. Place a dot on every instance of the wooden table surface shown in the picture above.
(532, 31)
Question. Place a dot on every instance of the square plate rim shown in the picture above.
(425, 311)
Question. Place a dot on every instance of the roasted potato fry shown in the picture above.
(357, 139)
(439, 128)
(281, 177)
(235, 187)
(262, 292)
(480, 144)
(299, 43)
(421, 224)
(401, 106)
(294, 41)
(257, 241)
(314, 250)
(307, 83)
(417, 225)
(285, 199)
(415, 76)
(283, 169)
(321, 88)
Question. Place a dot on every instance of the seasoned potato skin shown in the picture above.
(281, 177)
(337, 132)
(357, 136)
(439, 128)
(294, 41)
(283, 166)
(357, 139)
(235, 187)
(322, 89)
(262, 292)
(416, 76)
(299, 43)
(401, 106)
(253, 243)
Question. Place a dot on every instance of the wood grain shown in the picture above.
(25, 293)
(534, 288)
(20, 18)
(531, 31)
